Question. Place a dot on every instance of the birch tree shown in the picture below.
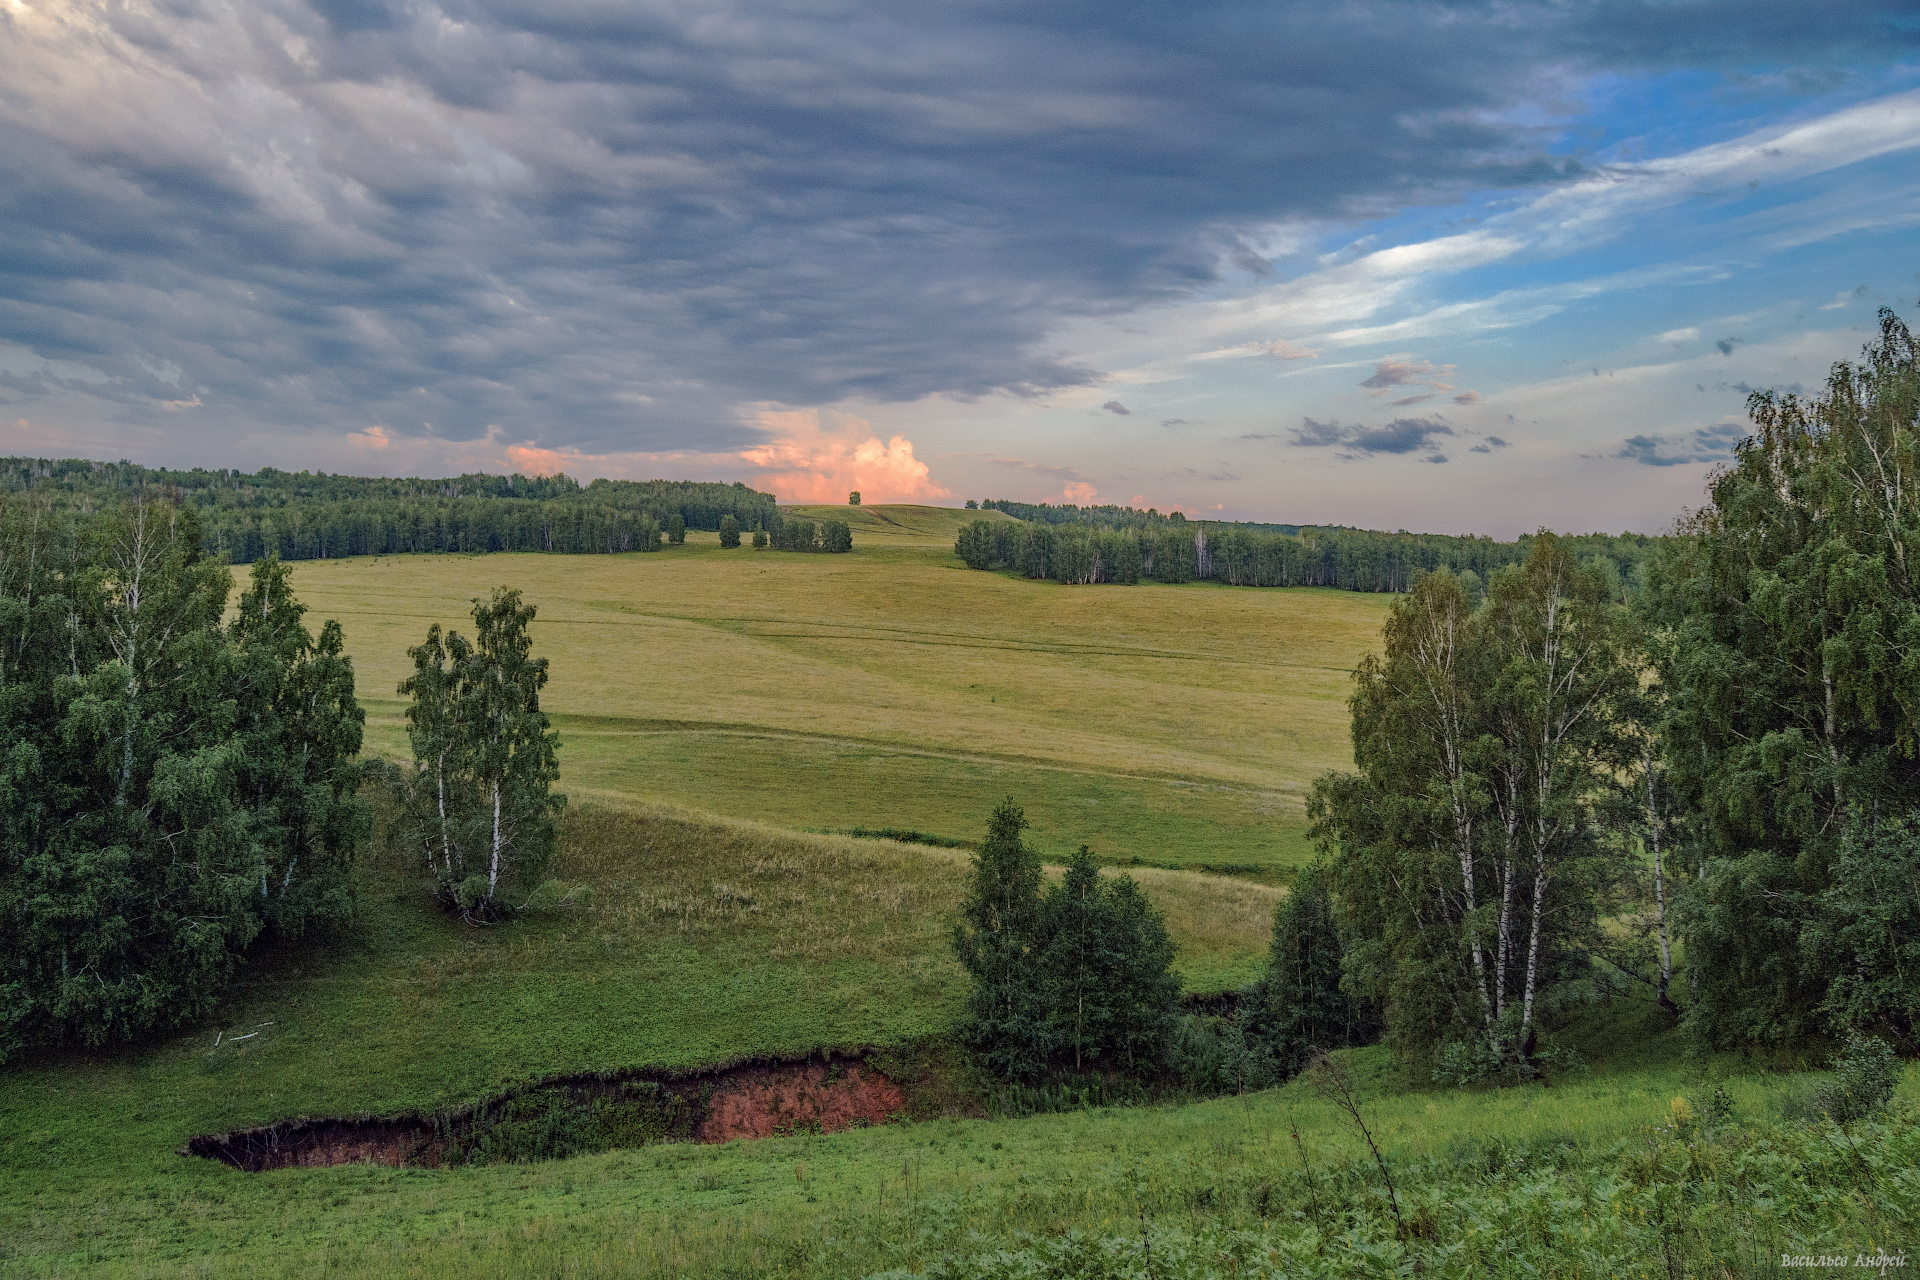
(1467, 866)
(1790, 612)
(174, 791)
(480, 800)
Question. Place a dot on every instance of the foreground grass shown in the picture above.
(1529, 1169)
(892, 687)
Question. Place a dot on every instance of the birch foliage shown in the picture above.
(480, 802)
(1790, 610)
(1466, 860)
(173, 790)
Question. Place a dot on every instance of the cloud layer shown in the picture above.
(597, 228)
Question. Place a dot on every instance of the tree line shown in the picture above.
(245, 517)
(1178, 550)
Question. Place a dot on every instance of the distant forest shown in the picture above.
(1122, 544)
(314, 516)
(245, 517)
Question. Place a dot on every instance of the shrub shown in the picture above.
(729, 531)
(676, 528)
(1864, 1077)
(759, 539)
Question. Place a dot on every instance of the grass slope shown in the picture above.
(1179, 725)
(703, 941)
(900, 524)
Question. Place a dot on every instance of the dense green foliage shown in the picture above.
(1089, 550)
(1078, 975)
(302, 516)
(729, 531)
(796, 533)
(1788, 615)
(1298, 1005)
(479, 802)
(1471, 872)
(173, 787)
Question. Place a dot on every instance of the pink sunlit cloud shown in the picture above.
(819, 456)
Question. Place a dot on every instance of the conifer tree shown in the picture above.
(998, 941)
(729, 531)
(1298, 1006)
(1110, 989)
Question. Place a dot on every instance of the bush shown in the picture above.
(759, 539)
(676, 528)
(1215, 1055)
(1864, 1077)
(729, 531)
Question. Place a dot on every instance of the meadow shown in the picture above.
(893, 688)
(716, 704)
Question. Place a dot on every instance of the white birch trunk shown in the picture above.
(1659, 880)
(493, 871)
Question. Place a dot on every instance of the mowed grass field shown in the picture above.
(892, 687)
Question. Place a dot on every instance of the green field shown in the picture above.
(892, 687)
(714, 703)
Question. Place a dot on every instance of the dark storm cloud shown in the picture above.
(1114, 406)
(1706, 444)
(1402, 435)
(615, 225)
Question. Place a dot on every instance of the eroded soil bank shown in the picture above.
(575, 1115)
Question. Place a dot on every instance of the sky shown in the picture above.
(1444, 267)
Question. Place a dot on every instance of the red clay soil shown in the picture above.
(760, 1101)
(317, 1144)
(763, 1102)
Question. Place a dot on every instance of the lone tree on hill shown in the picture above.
(853, 499)
(481, 797)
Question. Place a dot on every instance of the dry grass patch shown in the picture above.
(893, 688)
(821, 898)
